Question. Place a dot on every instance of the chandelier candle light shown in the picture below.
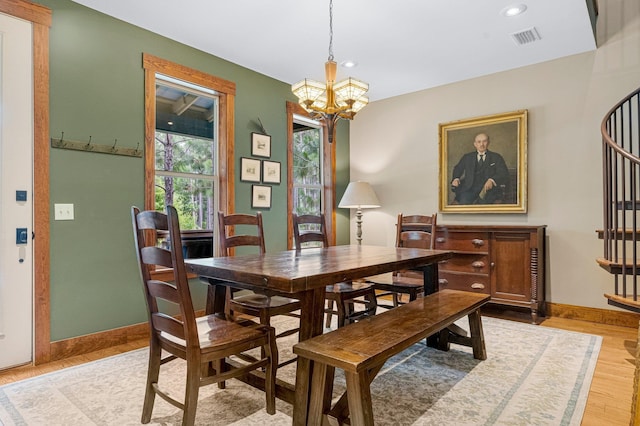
(331, 101)
(359, 195)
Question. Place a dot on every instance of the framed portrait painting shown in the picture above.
(260, 197)
(260, 145)
(483, 164)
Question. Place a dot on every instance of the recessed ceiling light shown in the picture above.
(349, 64)
(513, 10)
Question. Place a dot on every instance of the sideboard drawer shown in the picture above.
(465, 282)
(470, 263)
(463, 241)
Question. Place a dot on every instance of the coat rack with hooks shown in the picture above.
(92, 147)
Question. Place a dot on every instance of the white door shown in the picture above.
(16, 179)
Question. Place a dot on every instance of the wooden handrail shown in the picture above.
(621, 196)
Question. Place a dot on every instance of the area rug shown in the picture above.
(533, 376)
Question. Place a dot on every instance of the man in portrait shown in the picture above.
(480, 176)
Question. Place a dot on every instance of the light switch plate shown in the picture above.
(63, 211)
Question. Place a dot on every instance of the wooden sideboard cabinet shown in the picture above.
(506, 262)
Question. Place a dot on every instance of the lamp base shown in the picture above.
(359, 226)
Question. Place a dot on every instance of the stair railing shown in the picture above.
(621, 179)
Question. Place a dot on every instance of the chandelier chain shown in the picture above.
(331, 30)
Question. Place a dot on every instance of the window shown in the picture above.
(189, 126)
(186, 152)
(311, 170)
(307, 166)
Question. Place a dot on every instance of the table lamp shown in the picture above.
(359, 195)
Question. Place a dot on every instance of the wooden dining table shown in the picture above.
(304, 274)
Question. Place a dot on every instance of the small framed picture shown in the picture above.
(271, 172)
(249, 170)
(261, 197)
(260, 145)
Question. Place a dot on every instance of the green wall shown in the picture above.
(97, 91)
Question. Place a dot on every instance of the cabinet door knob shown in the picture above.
(478, 264)
(440, 240)
(493, 264)
(477, 242)
(477, 286)
(443, 281)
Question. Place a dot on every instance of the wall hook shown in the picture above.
(113, 148)
(89, 147)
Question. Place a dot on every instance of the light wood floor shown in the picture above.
(609, 400)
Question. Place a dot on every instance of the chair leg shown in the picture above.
(265, 319)
(342, 312)
(191, 393)
(372, 305)
(394, 296)
(329, 312)
(153, 371)
(270, 373)
(220, 367)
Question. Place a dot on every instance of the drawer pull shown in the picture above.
(477, 286)
(477, 242)
(443, 281)
(478, 264)
(440, 240)
(443, 261)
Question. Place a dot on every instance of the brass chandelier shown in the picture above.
(331, 101)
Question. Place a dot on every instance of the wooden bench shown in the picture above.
(361, 349)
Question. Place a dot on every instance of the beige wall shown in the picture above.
(394, 146)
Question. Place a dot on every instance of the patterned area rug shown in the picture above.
(533, 376)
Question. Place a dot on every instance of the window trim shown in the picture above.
(328, 171)
(226, 91)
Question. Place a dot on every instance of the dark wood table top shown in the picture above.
(297, 271)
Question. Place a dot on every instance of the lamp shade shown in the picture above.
(359, 195)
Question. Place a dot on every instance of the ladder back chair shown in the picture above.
(260, 305)
(311, 229)
(414, 231)
(203, 342)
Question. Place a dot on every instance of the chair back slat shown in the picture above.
(308, 229)
(163, 290)
(415, 239)
(168, 324)
(229, 238)
(425, 223)
(157, 256)
(163, 316)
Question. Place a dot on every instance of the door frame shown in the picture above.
(40, 17)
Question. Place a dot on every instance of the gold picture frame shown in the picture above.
(493, 183)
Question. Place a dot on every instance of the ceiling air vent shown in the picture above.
(526, 36)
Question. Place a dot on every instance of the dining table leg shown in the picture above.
(430, 275)
(216, 297)
(311, 324)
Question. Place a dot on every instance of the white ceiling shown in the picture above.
(401, 46)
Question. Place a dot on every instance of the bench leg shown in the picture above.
(359, 397)
(316, 404)
(477, 335)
